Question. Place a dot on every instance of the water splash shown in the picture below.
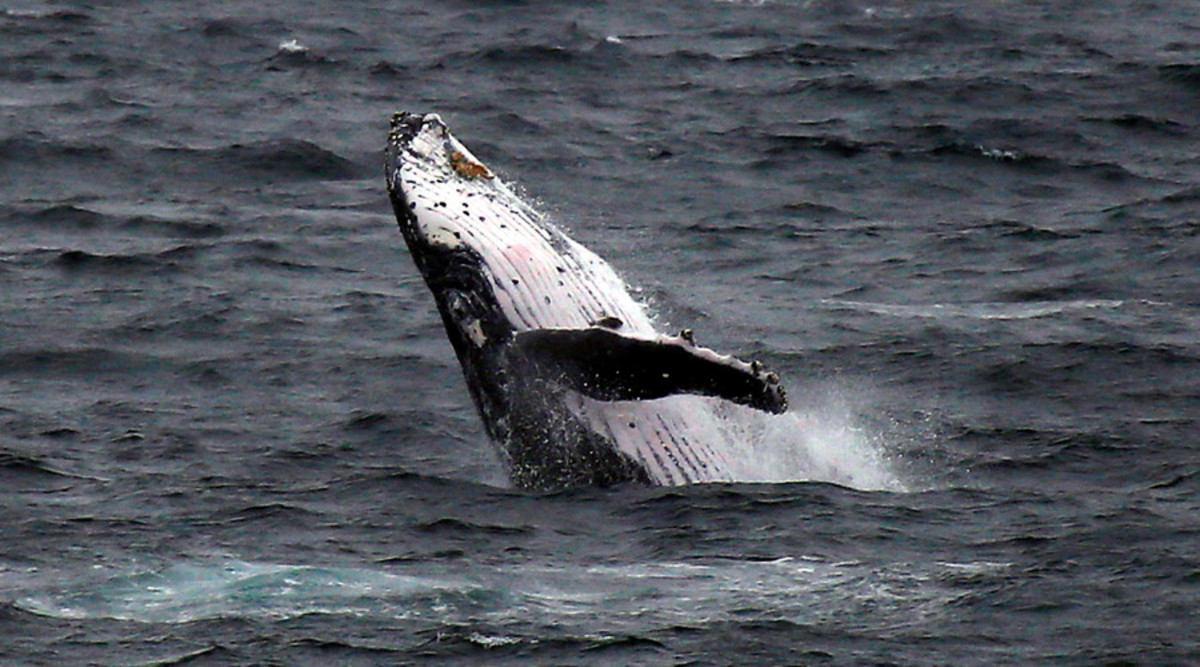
(819, 442)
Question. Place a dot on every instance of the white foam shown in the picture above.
(978, 311)
(292, 46)
(812, 443)
(821, 441)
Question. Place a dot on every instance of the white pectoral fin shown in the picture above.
(607, 365)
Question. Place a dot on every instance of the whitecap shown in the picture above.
(292, 46)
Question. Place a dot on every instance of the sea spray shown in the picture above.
(823, 441)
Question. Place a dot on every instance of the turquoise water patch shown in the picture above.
(187, 592)
(799, 590)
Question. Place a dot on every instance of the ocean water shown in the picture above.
(966, 234)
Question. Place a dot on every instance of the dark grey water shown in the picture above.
(967, 234)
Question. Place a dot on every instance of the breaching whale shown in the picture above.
(574, 384)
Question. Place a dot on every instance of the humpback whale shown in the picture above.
(572, 381)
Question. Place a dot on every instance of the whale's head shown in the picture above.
(436, 179)
(494, 265)
(453, 213)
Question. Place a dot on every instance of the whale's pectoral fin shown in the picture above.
(609, 366)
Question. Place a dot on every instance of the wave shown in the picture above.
(283, 159)
(1187, 74)
(40, 22)
(812, 54)
(18, 470)
(71, 216)
(586, 55)
(36, 148)
(292, 54)
(60, 216)
(1170, 214)
(287, 158)
(84, 362)
(388, 70)
(1144, 123)
(1024, 146)
(125, 264)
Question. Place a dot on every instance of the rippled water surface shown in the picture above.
(232, 430)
